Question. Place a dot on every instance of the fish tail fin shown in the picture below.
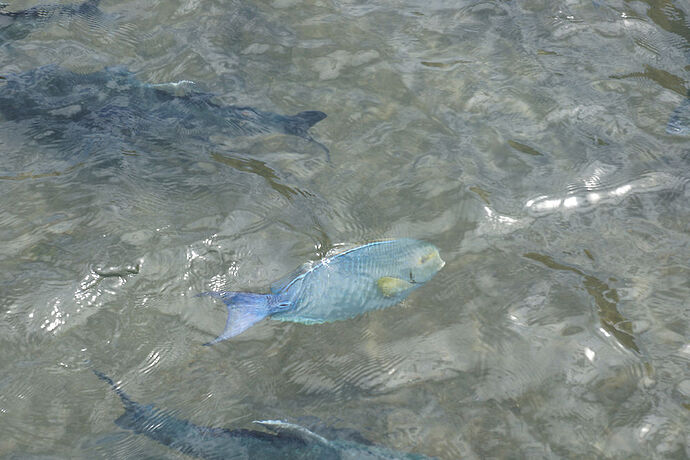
(244, 309)
(309, 118)
(126, 401)
(299, 124)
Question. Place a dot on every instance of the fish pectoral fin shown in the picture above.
(127, 421)
(390, 286)
(282, 428)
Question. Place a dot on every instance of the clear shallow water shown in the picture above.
(526, 139)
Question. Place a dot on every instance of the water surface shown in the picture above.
(526, 139)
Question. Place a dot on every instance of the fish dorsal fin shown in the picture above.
(279, 285)
(390, 286)
(332, 433)
(283, 282)
(280, 427)
(177, 88)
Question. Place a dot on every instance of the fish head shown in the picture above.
(424, 261)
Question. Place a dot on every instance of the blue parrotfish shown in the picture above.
(679, 121)
(18, 24)
(282, 440)
(369, 277)
(112, 108)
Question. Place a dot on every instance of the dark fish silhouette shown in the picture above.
(83, 113)
(287, 440)
(18, 24)
(679, 122)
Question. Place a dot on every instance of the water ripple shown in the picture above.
(526, 139)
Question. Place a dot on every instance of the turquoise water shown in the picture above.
(525, 139)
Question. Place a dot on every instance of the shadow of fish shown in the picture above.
(286, 440)
(83, 113)
(18, 24)
(370, 277)
(679, 121)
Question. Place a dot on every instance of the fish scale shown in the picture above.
(365, 278)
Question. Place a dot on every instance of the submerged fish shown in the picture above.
(286, 440)
(18, 24)
(679, 122)
(83, 113)
(370, 277)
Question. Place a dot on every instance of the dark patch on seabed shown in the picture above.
(605, 298)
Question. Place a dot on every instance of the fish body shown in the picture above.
(42, 12)
(369, 277)
(679, 121)
(85, 112)
(18, 24)
(285, 441)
